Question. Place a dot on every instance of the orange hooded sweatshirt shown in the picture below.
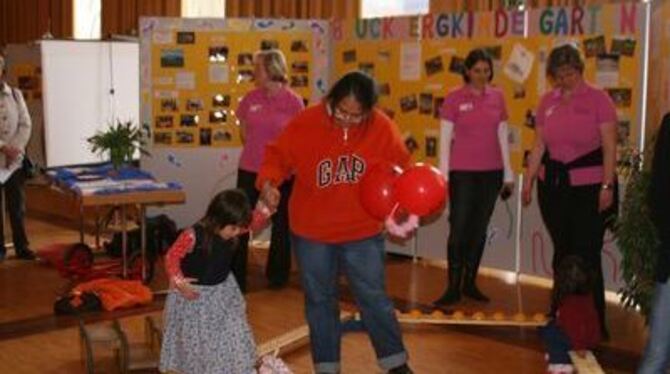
(328, 163)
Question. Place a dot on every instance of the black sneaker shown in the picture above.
(402, 369)
(25, 254)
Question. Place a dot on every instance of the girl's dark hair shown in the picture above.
(572, 278)
(229, 207)
(565, 55)
(357, 84)
(473, 58)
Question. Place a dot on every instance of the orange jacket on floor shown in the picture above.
(116, 293)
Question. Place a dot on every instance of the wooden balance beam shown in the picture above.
(438, 317)
(587, 364)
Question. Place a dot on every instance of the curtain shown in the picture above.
(27, 20)
(300, 9)
(122, 16)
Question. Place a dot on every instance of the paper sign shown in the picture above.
(185, 80)
(410, 62)
(162, 37)
(520, 64)
(218, 73)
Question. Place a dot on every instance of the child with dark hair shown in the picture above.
(206, 329)
(576, 326)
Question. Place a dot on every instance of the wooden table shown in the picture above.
(123, 200)
(142, 199)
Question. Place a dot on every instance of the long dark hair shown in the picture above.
(571, 279)
(229, 207)
(357, 84)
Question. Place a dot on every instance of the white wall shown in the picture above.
(77, 79)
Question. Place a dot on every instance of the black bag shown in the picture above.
(72, 304)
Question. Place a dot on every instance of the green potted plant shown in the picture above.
(636, 235)
(120, 141)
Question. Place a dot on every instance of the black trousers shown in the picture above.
(278, 266)
(15, 198)
(576, 228)
(473, 195)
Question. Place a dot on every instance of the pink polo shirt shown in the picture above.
(476, 118)
(571, 128)
(264, 117)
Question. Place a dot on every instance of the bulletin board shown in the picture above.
(199, 75)
(194, 72)
(415, 73)
(416, 61)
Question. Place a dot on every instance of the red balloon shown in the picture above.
(421, 189)
(376, 190)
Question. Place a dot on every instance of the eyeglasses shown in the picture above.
(348, 117)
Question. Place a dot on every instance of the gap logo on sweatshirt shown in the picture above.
(343, 169)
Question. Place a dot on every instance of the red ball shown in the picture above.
(421, 190)
(376, 190)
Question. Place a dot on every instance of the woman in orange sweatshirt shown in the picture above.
(329, 147)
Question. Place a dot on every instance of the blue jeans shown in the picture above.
(657, 354)
(556, 343)
(362, 262)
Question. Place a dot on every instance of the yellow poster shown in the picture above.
(414, 104)
(199, 77)
(417, 61)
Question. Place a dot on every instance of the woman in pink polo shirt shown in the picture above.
(263, 113)
(474, 157)
(574, 157)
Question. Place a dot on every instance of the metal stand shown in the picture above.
(124, 241)
(124, 238)
(143, 240)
